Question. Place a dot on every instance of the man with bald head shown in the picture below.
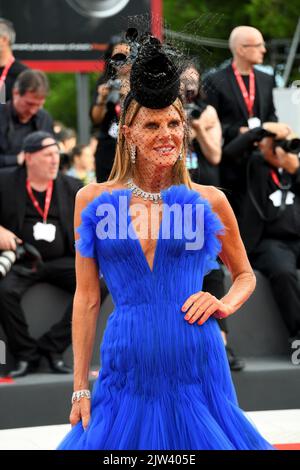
(247, 46)
(241, 94)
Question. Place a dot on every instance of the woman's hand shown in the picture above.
(81, 411)
(202, 305)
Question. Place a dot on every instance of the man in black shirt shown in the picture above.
(22, 116)
(10, 67)
(36, 207)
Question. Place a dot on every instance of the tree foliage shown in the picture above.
(275, 18)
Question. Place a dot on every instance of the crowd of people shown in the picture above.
(235, 143)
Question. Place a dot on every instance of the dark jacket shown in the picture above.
(13, 202)
(13, 73)
(253, 175)
(223, 92)
(42, 121)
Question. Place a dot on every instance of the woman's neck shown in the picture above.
(153, 180)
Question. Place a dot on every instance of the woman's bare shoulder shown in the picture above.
(219, 204)
(214, 196)
(93, 190)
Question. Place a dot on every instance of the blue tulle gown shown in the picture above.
(164, 383)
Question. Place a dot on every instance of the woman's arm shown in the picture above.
(233, 254)
(99, 109)
(85, 312)
(208, 133)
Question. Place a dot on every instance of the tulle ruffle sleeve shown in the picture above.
(213, 228)
(86, 243)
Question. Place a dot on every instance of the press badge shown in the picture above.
(276, 198)
(44, 232)
(254, 122)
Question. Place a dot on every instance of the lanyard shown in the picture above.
(5, 71)
(275, 179)
(249, 98)
(49, 192)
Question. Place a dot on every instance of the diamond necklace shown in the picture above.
(155, 197)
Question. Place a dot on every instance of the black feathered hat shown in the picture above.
(155, 75)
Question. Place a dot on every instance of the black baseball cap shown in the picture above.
(34, 142)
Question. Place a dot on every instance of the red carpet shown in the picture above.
(287, 446)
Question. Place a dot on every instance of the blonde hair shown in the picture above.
(123, 168)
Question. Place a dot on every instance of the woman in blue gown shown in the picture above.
(164, 381)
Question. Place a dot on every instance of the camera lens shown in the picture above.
(98, 8)
(7, 259)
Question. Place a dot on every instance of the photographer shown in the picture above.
(106, 107)
(205, 134)
(268, 213)
(236, 160)
(36, 225)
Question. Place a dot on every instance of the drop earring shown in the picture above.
(132, 154)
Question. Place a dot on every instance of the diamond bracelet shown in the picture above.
(81, 394)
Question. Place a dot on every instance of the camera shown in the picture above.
(193, 110)
(25, 252)
(114, 96)
(289, 146)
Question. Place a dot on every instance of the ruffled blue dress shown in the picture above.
(164, 384)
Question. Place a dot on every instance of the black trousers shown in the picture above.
(214, 284)
(59, 272)
(278, 260)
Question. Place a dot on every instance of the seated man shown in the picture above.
(268, 216)
(36, 207)
(22, 116)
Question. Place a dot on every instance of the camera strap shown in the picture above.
(284, 190)
(283, 187)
